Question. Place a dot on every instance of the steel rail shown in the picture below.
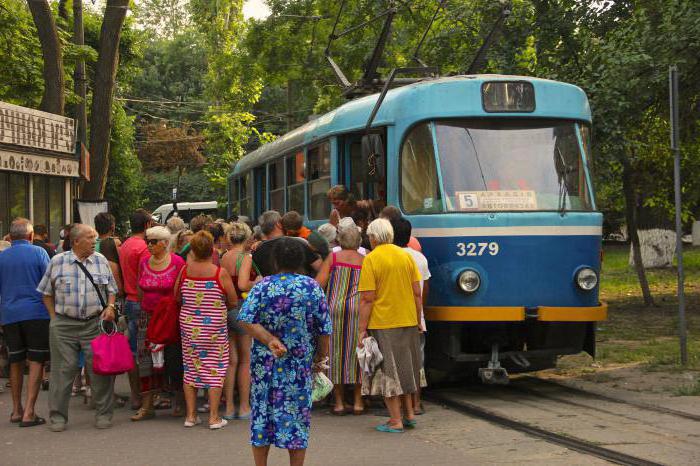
(571, 443)
(612, 399)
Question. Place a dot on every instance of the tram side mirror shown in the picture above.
(373, 155)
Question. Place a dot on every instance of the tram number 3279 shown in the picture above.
(477, 249)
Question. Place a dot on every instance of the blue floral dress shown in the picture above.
(293, 308)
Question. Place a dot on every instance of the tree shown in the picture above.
(125, 185)
(167, 148)
(53, 99)
(103, 89)
(164, 19)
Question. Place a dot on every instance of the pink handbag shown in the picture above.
(111, 354)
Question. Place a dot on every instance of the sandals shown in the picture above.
(338, 412)
(388, 429)
(409, 423)
(143, 414)
(197, 421)
(218, 425)
(16, 420)
(36, 422)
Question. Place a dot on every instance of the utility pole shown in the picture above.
(79, 85)
(675, 147)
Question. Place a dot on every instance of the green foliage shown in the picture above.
(194, 187)
(125, 184)
(21, 80)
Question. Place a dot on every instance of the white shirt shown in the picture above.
(360, 250)
(422, 264)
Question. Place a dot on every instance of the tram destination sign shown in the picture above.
(21, 126)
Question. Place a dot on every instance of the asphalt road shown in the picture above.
(442, 437)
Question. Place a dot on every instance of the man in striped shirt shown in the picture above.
(76, 309)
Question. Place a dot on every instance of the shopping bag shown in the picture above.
(111, 354)
(164, 325)
(322, 386)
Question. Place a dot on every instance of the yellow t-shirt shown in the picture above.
(390, 272)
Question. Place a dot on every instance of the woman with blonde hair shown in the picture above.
(238, 373)
(157, 276)
(206, 292)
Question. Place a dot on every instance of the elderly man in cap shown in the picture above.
(76, 304)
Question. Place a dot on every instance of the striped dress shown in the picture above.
(344, 307)
(203, 330)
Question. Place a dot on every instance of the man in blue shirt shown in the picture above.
(24, 318)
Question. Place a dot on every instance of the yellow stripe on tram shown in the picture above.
(515, 313)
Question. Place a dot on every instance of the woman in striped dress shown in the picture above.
(341, 272)
(206, 293)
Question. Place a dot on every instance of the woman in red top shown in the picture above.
(238, 373)
(156, 279)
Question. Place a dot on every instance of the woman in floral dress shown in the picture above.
(288, 318)
(205, 293)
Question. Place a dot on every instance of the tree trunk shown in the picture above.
(103, 89)
(79, 86)
(53, 100)
(629, 190)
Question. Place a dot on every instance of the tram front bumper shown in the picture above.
(516, 313)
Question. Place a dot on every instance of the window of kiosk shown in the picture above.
(57, 206)
(4, 217)
(319, 176)
(19, 184)
(295, 182)
(276, 170)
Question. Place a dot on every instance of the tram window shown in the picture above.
(420, 189)
(364, 185)
(319, 176)
(234, 196)
(295, 182)
(277, 185)
(260, 191)
(514, 164)
(246, 190)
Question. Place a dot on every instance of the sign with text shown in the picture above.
(27, 127)
(39, 164)
(496, 200)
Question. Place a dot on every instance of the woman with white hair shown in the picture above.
(156, 280)
(390, 310)
(341, 272)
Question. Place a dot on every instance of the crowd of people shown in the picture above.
(261, 308)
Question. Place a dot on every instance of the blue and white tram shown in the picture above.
(493, 173)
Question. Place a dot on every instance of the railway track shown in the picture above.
(572, 443)
(600, 396)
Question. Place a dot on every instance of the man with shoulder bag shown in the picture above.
(79, 290)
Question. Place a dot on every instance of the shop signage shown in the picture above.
(27, 127)
(39, 164)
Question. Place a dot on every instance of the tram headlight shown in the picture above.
(586, 278)
(469, 281)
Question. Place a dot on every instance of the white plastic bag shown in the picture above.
(322, 386)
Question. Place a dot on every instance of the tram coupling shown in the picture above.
(493, 373)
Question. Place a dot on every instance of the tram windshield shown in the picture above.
(494, 165)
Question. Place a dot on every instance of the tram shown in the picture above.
(493, 173)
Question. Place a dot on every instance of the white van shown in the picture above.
(186, 211)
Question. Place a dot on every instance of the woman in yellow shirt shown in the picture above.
(390, 310)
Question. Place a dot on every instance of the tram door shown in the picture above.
(260, 191)
(364, 171)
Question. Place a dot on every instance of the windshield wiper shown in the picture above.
(562, 171)
(476, 156)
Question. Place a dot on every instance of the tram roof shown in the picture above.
(447, 97)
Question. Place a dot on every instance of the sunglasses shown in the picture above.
(152, 242)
